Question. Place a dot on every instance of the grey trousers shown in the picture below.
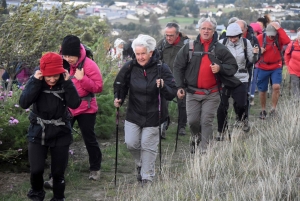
(142, 143)
(201, 110)
(295, 85)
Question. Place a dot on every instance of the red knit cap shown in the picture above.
(51, 64)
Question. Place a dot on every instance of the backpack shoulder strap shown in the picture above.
(224, 41)
(292, 48)
(191, 49)
(264, 40)
(245, 48)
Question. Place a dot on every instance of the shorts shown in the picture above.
(263, 77)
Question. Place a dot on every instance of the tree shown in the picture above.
(35, 32)
(153, 19)
(3, 7)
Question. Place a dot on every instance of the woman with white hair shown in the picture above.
(292, 60)
(117, 51)
(149, 83)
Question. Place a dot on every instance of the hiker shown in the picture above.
(231, 20)
(169, 47)
(199, 67)
(141, 78)
(128, 51)
(242, 50)
(292, 60)
(270, 65)
(256, 31)
(263, 22)
(50, 92)
(248, 33)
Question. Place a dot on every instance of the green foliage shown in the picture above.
(244, 14)
(12, 135)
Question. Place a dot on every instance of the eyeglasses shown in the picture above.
(206, 29)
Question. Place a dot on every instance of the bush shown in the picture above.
(13, 124)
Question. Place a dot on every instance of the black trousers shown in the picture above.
(240, 98)
(37, 154)
(86, 123)
(181, 105)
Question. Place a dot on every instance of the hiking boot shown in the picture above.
(182, 131)
(193, 146)
(94, 175)
(146, 182)
(237, 124)
(56, 199)
(263, 114)
(246, 126)
(139, 176)
(49, 184)
(220, 136)
(251, 101)
(36, 195)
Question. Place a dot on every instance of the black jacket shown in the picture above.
(168, 52)
(186, 73)
(47, 106)
(140, 82)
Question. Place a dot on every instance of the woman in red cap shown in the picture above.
(50, 92)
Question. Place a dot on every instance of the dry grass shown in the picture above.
(264, 165)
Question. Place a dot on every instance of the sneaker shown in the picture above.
(182, 131)
(48, 184)
(94, 175)
(56, 199)
(273, 113)
(246, 126)
(251, 101)
(220, 136)
(263, 114)
(139, 176)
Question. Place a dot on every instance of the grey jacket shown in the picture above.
(237, 50)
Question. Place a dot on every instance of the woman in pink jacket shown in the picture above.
(292, 60)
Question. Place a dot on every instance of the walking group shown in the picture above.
(202, 74)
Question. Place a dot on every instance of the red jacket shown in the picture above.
(271, 58)
(292, 60)
(90, 83)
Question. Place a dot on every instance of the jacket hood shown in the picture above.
(233, 30)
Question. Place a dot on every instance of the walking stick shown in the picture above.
(281, 90)
(117, 130)
(159, 113)
(178, 121)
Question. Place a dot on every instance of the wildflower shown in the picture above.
(20, 150)
(1, 97)
(71, 151)
(10, 93)
(22, 87)
(13, 121)
(27, 110)
(16, 105)
(0, 142)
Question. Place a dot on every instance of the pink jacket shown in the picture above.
(293, 60)
(91, 83)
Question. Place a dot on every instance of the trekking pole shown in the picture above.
(181, 92)
(117, 130)
(219, 90)
(159, 115)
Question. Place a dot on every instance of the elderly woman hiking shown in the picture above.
(142, 77)
(50, 92)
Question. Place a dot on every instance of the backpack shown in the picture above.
(276, 42)
(89, 52)
(192, 52)
(292, 49)
(163, 45)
